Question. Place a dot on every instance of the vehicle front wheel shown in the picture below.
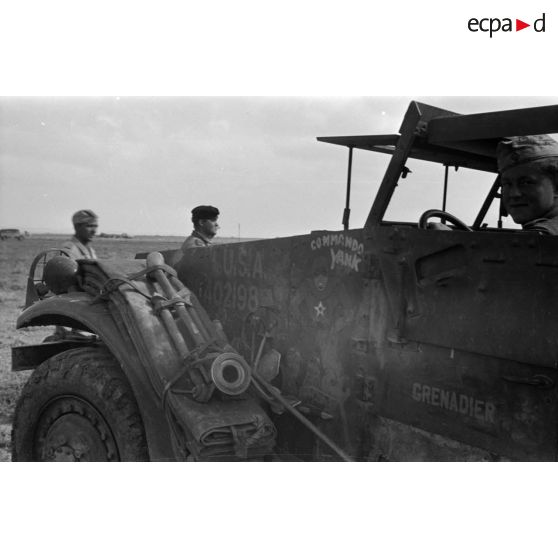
(78, 406)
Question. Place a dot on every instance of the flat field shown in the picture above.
(15, 260)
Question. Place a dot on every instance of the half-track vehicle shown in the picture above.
(394, 341)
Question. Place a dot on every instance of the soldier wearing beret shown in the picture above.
(85, 224)
(528, 167)
(204, 218)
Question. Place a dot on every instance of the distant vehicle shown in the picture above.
(6, 234)
(108, 235)
(394, 341)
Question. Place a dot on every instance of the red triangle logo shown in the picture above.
(519, 25)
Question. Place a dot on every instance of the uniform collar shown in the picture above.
(202, 237)
(84, 248)
(552, 214)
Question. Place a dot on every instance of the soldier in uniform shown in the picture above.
(85, 224)
(204, 218)
(78, 247)
(528, 167)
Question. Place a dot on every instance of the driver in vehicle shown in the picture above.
(528, 167)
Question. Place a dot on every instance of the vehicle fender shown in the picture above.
(77, 310)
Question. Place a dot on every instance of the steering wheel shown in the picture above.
(423, 221)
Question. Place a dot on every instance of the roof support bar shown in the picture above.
(393, 171)
(517, 122)
(487, 203)
(347, 210)
(416, 113)
(445, 198)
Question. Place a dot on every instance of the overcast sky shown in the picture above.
(141, 163)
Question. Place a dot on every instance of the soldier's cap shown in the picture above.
(84, 216)
(205, 212)
(519, 150)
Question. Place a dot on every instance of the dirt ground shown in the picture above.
(15, 260)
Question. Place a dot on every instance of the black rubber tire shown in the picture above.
(78, 406)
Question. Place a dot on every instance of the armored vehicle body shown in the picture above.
(395, 341)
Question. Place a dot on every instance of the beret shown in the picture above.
(519, 150)
(84, 216)
(205, 212)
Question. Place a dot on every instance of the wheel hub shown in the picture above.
(71, 429)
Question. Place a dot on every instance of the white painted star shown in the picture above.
(320, 309)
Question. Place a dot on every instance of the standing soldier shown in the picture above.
(204, 218)
(78, 247)
(85, 225)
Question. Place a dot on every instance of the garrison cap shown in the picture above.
(83, 216)
(205, 212)
(519, 150)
